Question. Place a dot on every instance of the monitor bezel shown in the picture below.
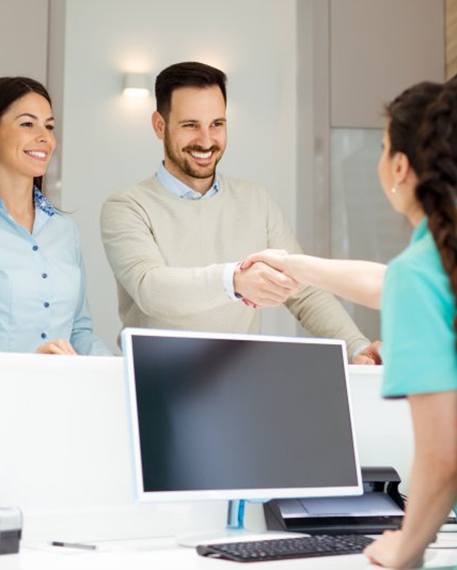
(224, 494)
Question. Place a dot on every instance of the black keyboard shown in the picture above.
(279, 549)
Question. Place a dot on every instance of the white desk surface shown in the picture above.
(66, 462)
(177, 558)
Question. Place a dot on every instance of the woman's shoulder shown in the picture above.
(65, 222)
(418, 273)
(420, 258)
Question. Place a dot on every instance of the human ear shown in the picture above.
(401, 168)
(158, 124)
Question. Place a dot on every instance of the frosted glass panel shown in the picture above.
(363, 225)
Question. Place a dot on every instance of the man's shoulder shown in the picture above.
(139, 192)
(243, 187)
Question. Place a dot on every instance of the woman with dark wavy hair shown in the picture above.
(42, 289)
(417, 294)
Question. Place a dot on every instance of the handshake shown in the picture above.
(270, 277)
(265, 279)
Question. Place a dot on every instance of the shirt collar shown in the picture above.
(41, 202)
(181, 190)
(420, 230)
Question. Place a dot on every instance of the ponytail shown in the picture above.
(437, 187)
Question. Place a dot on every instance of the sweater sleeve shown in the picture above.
(316, 310)
(139, 267)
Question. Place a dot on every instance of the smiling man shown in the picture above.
(175, 240)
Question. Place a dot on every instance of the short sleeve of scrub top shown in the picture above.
(418, 308)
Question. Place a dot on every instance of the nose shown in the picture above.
(44, 135)
(204, 138)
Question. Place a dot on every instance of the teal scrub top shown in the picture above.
(417, 312)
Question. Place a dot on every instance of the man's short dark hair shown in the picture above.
(186, 74)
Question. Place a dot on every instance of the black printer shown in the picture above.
(10, 530)
(380, 508)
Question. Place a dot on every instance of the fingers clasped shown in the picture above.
(58, 346)
(261, 282)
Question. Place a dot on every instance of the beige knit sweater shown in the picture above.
(168, 256)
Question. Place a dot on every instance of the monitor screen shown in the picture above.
(239, 416)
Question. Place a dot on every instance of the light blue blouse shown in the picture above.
(418, 309)
(42, 283)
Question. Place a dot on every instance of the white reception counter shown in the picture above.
(66, 457)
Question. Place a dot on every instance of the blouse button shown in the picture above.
(46, 304)
(43, 335)
(44, 275)
(35, 248)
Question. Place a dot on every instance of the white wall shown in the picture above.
(107, 140)
(23, 38)
(403, 43)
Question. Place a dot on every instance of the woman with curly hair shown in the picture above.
(417, 293)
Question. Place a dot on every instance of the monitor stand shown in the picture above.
(234, 529)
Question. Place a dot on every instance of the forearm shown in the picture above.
(82, 337)
(431, 496)
(323, 316)
(357, 281)
(433, 483)
(176, 291)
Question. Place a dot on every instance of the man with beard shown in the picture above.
(174, 241)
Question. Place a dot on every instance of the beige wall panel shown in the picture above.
(451, 38)
(23, 38)
(378, 48)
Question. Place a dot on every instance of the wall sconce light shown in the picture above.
(137, 85)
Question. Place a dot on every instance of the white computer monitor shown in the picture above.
(227, 416)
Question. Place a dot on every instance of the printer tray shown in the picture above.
(380, 508)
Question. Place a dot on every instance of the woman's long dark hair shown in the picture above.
(12, 89)
(422, 123)
(437, 188)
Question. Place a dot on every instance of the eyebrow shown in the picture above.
(34, 117)
(223, 119)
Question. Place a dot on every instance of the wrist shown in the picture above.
(410, 555)
(237, 281)
(229, 280)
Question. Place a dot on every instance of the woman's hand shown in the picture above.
(273, 257)
(58, 346)
(389, 550)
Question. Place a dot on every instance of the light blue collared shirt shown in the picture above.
(42, 283)
(181, 190)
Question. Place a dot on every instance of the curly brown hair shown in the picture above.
(437, 187)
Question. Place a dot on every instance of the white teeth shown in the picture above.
(201, 155)
(36, 153)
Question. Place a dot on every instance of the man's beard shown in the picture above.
(184, 165)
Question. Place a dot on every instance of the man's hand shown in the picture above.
(263, 286)
(389, 550)
(369, 355)
(58, 346)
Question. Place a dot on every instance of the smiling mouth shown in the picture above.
(202, 156)
(37, 154)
